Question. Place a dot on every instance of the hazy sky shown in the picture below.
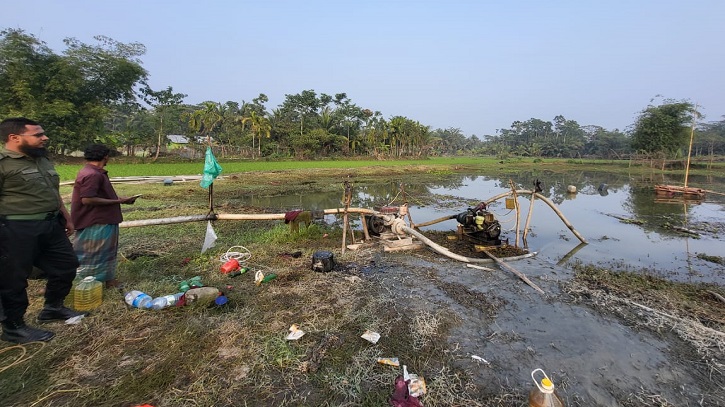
(473, 65)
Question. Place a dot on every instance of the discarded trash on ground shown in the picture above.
(194, 282)
(209, 239)
(401, 395)
(389, 361)
(260, 278)
(416, 384)
(74, 320)
(294, 333)
(202, 296)
(480, 359)
(370, 336)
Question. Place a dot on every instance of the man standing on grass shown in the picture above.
(96, 213)
(34, 230)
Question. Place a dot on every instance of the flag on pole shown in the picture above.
(211, 169)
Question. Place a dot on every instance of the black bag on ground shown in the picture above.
(323, 261)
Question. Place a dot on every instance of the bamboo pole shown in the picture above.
(521, 275)
(479, 267)
(434, 221)
(271, 216)
(230, 216)
(347, 196)
(528, 219)
(689, 150)
(709, 192)
(364, 223)
(166, 221)
(548, 202)
(518, 211)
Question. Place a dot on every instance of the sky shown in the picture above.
(476, 65)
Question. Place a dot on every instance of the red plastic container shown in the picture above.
(229, 266)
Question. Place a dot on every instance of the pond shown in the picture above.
(624, 224)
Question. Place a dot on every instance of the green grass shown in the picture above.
(119, 168)
(124, 167)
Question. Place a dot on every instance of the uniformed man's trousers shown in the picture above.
(39, 243)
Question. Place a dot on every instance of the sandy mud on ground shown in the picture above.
(602, 343)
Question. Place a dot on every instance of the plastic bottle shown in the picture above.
(138, 299)
(201, 296)
(165, 301)
(88, 294)
(238, 272)
(543, 395)
(68, 302)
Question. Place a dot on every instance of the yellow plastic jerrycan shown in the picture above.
(88, 294)
(543, 395)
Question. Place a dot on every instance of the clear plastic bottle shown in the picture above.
(543, 395)
(88, 294)
(138, 299)
(165, 301)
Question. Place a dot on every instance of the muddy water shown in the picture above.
(594, 359)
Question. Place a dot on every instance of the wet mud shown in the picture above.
(604, 353)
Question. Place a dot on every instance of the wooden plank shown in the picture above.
(414, 246)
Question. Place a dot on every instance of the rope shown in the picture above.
(240, 256)
(394, 198)
(21, 358)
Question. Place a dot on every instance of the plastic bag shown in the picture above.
(210, 237)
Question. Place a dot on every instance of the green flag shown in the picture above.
(211, 169)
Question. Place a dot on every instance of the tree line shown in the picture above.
(100, 93)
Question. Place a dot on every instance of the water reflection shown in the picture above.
(657, 244)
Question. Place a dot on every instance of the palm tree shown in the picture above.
(260, 125)
(206, 119)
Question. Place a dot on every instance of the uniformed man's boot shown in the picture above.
(18, 332)
(57, 312)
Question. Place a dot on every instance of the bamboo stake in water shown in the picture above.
(689, 151)
(528, 219)
(347, 197)
(518, 211)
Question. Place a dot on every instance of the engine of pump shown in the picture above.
(381, 222)
(480, 224)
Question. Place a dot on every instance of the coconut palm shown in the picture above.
(259, 125)
(207, 119)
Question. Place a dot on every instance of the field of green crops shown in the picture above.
(117, 168)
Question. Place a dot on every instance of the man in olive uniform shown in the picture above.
(34, 230)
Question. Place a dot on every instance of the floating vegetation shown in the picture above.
(712, 259)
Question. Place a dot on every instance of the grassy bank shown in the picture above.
(122, 167)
